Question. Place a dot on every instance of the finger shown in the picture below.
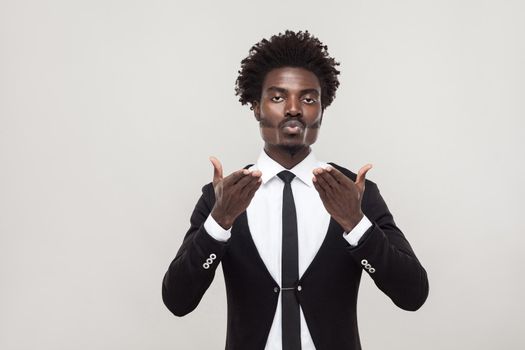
(360, 180)
(217, 169)
(254, 172)
(338, 175)
(318, 181)
(319, 188)
(245, 181)
(234, 177)
(330, 180)
(362, 173)
(321, 180)
(252, 187)
(255, 177)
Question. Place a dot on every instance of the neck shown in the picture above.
(287, 156)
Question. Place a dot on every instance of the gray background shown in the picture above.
(110, 110)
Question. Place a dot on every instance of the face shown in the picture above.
(289, 111)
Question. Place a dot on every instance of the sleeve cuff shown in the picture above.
(215, 230)
(357, 232)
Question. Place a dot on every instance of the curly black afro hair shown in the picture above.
(287, 50)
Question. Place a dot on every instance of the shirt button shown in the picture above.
(276, 289)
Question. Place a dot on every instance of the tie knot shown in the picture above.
(286, 176)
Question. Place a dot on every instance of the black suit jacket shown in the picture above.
(329, 286)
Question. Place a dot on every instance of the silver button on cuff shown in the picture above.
(209, 261)
(364, 262)
(371, 270)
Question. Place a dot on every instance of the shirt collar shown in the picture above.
(303, 170)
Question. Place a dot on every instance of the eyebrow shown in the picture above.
(303, 92)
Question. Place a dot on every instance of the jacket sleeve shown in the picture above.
(191, 272)
(385, 254)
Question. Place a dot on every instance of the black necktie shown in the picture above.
(291, 323)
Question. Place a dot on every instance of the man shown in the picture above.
(293, 233)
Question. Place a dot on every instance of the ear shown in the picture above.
(256, 108)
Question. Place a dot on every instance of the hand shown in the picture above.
(233, 193)
(340, 195)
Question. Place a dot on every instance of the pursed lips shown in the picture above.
(293, 124)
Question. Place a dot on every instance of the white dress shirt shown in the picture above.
(264, 214)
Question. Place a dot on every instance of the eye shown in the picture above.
(277, 99)
(309, 100)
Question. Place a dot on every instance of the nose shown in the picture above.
(293, 107)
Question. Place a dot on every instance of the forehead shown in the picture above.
(291, 78)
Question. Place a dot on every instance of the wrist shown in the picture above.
(225, 222)
(348, 225)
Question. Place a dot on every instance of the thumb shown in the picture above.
(217, 170)
(360, 181)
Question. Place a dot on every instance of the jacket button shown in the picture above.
(276, 289)
(299, 288)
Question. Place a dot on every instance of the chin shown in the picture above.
(293, 149)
